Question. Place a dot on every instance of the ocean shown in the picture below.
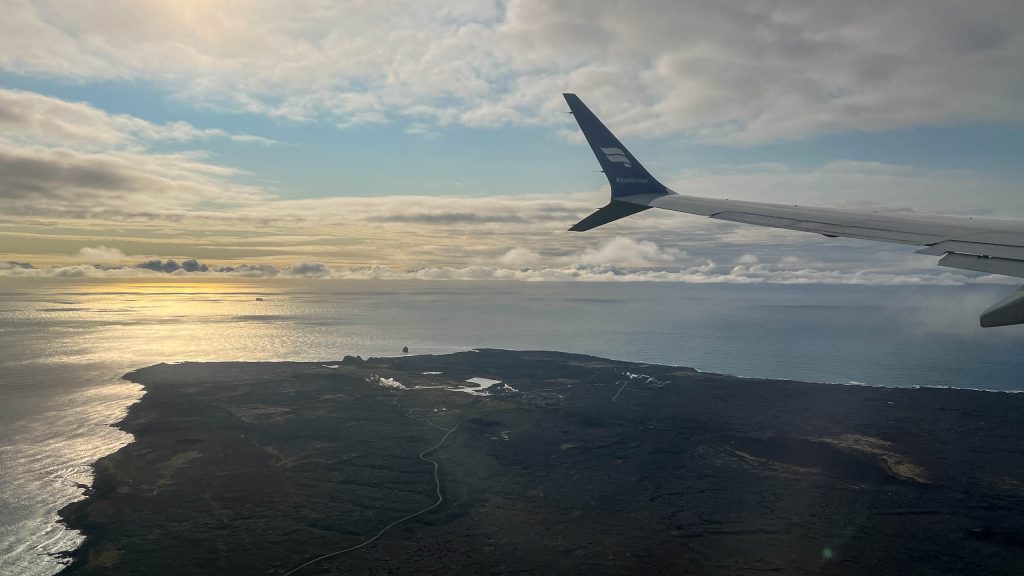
(66, 344)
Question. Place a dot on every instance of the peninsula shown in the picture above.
(496, 462)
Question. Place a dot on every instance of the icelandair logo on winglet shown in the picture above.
(617, 155)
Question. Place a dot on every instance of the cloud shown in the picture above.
(185, 203)
(704, 274)
(573, 267)
(519, 258)
(30, 117)
(58, 182)
(308, 270)
(170, 266)
(628, 252)
(100, 254)
(451, 217)
(63, 159)
(69, 159)
(718, 71)
(250, 270)
(925, 313)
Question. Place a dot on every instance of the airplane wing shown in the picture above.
(989, 246)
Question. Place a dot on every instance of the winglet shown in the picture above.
(626, 176)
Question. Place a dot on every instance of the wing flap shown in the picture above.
(882, 234)
(977, 248)
(756, 219)
(828, 229)
(1002, 266)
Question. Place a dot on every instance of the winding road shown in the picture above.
(437, 487)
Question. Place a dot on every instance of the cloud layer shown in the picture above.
(618, 259)
(35, 118)
(70, 159)
(85, 187)
(718, 71)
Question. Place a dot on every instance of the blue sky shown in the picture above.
(433, 136)
(319, 159)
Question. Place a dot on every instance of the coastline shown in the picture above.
(102, 484)
(868, 460)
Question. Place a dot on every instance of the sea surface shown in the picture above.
(64, 346)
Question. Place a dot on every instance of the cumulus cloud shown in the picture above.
(628, 252)
(580, 267)
(308, 270)
(170, 266)
(250, 270)
(193, 265)
(146, 269)
(719, 71)
(519, 258)
(100, 254)
(706, 273)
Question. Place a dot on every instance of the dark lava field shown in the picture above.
(570, 465)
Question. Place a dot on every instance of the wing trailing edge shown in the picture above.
(1007, 312)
